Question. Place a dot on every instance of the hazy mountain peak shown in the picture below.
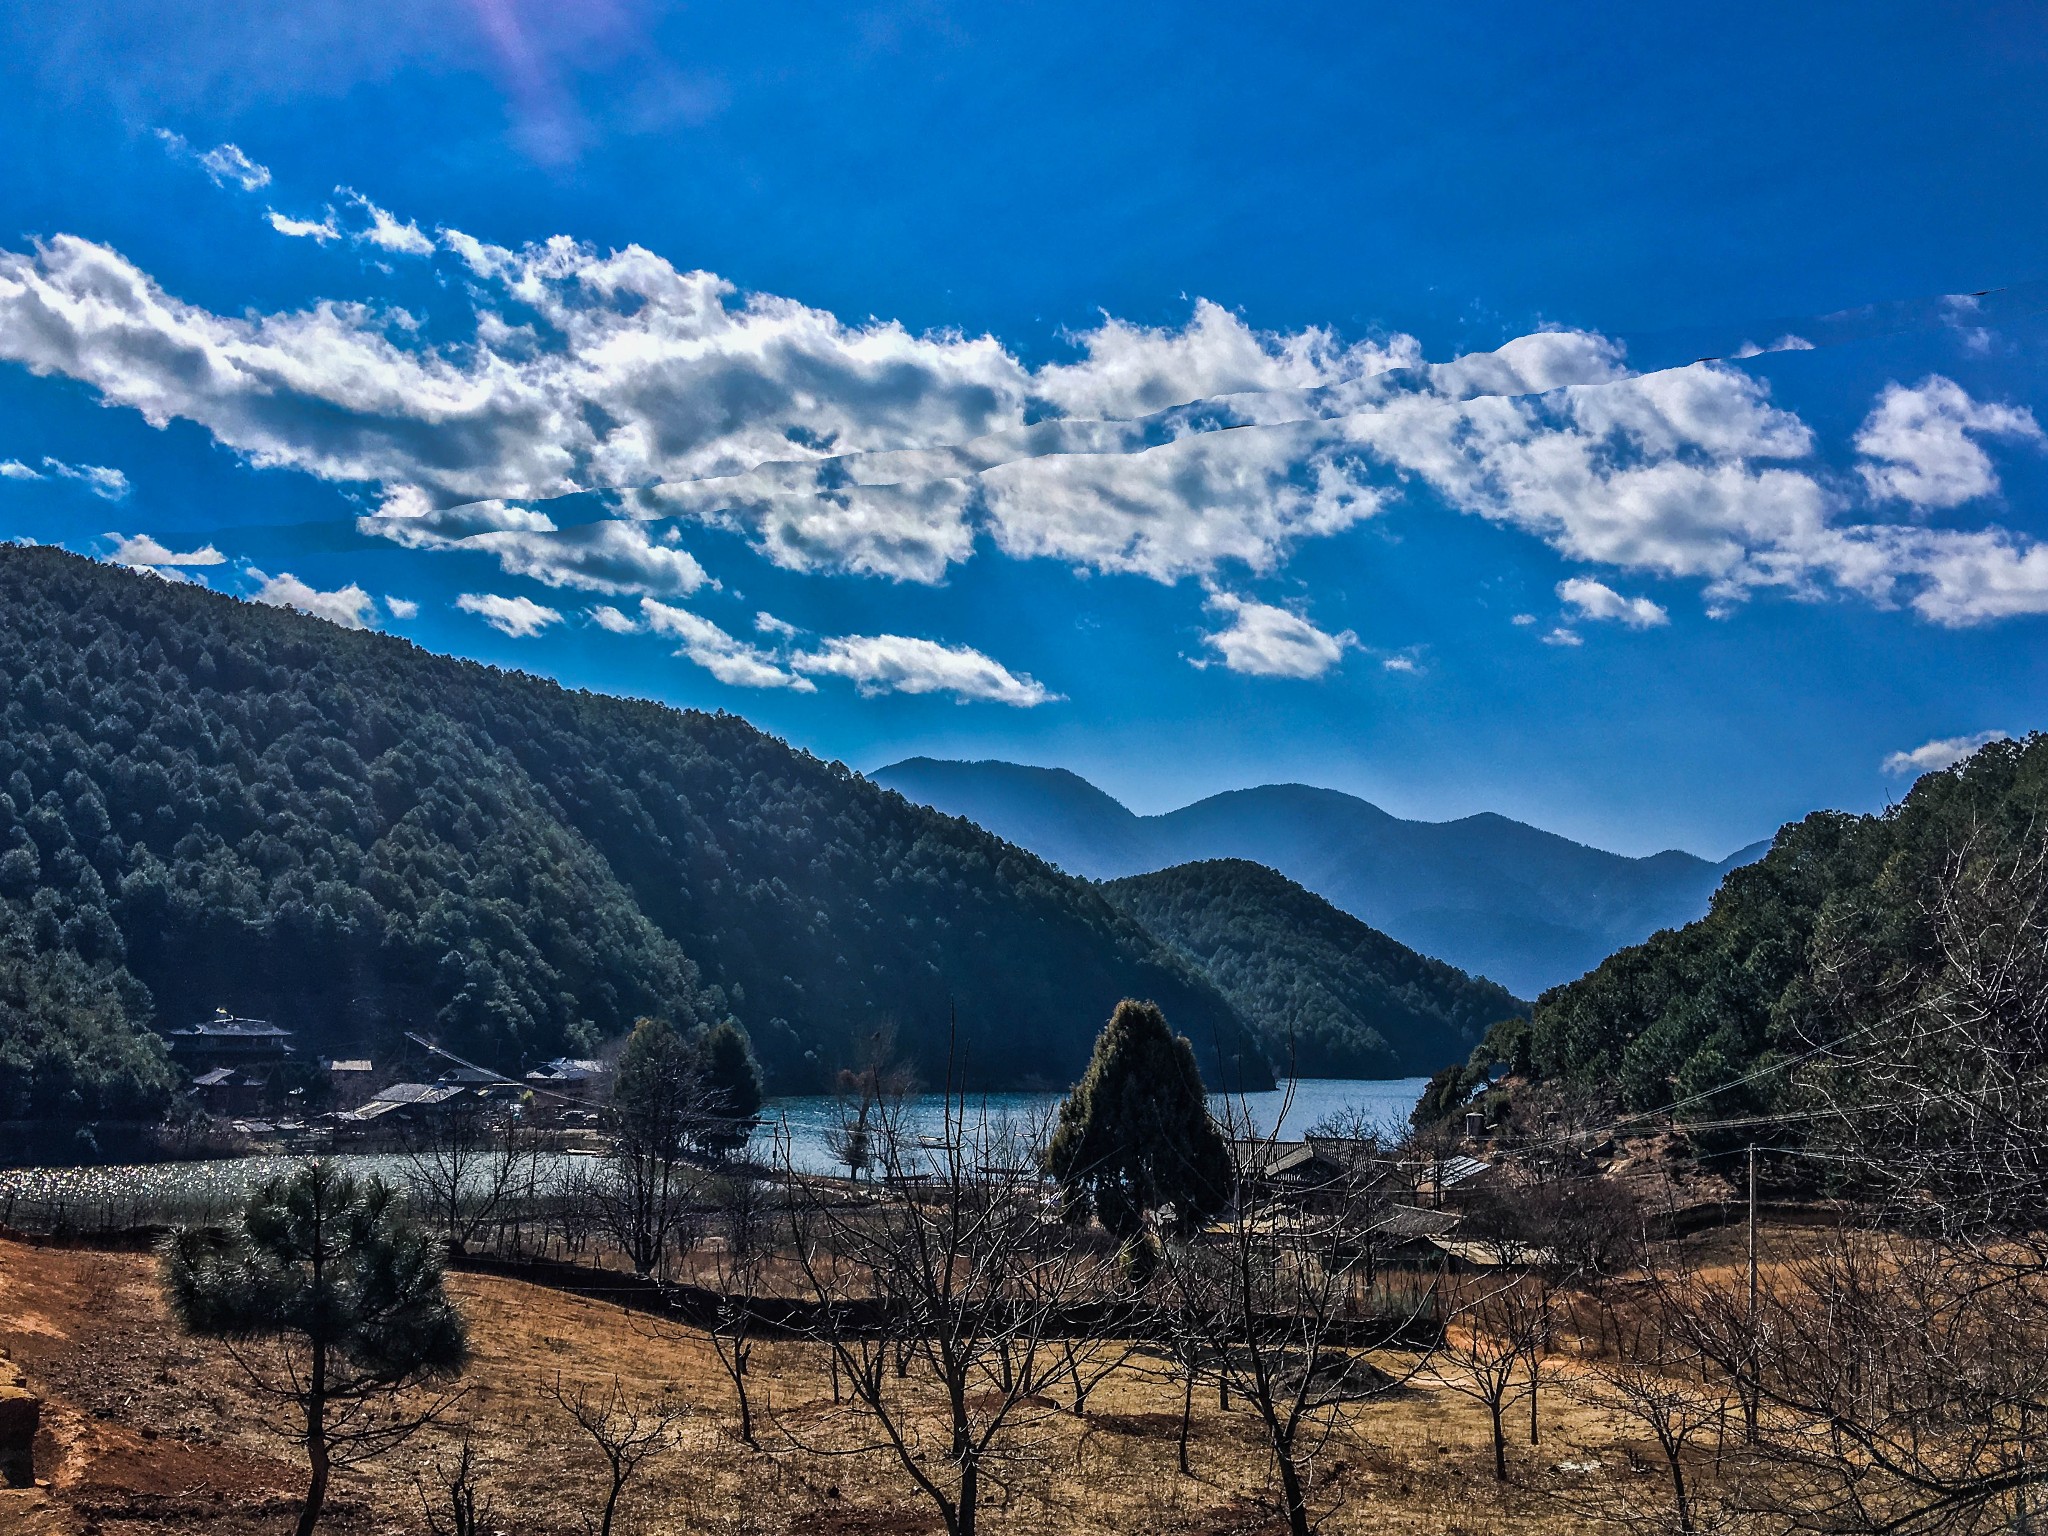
(1491, 895)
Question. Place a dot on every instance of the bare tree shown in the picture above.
(869, 1104)
(1489, 1347)
(1267, 1298)
(740, 1254)
(462, 1167)
(941, 1299)
(1904, 1383)
(452, 1501)
(1912, 1347)
(657, 1110)
(1656, 1388)
(627, 1432)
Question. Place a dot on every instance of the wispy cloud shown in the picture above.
(878, 664)
(107, 484)
(520, 617)
(387, 231)
(1931, 756)
(224, 163)
(319, 230)
(724, 656)
(142, 549)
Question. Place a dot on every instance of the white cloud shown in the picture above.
(1946, 753)
(1523, 620)
(1401, 664)
(619, 370)
(350, 606)
(224, 163)
(520, 617)
(612, 557)
(608, 618)
(870, 449)
(901, 664)
(1132, 370)
(107, 484)
(387, 232)
(402, 607)
(141, 549)
(320, 231)
(1973, 576)
(1785, 343)
(766, 623)
(1922, 443)
(725, 657)
(1180, 509)
(1562, 636)
(1596, 600)
(1262, 640)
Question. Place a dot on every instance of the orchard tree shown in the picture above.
(1135, 1135)
(330, 1297)
(657, 1112)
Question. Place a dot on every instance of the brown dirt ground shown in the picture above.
(147, 1431)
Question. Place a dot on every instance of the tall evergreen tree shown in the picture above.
(1135, 1135)
(731, 1083)
(331, 1297)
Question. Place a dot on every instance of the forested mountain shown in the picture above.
(208, 803)
(1492, 896)
(1329, 994)
(1918, 938)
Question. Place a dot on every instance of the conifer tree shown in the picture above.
(330, 1296)
(1135, 1135)
(731, 1084)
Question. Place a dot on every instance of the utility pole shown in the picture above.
(1752, 1397)
(1752, 1236)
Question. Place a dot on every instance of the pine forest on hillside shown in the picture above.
(1334, 997)
(208, 803)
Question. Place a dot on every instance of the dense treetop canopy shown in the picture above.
(1327, 993)
(1832, 934)
(208, 803)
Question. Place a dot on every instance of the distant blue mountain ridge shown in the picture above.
(1498, 898)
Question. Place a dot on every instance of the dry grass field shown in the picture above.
(147, 1430)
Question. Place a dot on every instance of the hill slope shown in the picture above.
(1850, 925)
(210, 803)
(1336, 997)
(1491, 896)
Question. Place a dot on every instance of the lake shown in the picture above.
(135, 1194)
(1288, 1110)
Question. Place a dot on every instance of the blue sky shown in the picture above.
(1192, 402)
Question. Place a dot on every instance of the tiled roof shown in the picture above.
(417, 1093)
(223, 1026)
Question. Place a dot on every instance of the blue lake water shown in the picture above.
(112, 1195)
(1287, 1111)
